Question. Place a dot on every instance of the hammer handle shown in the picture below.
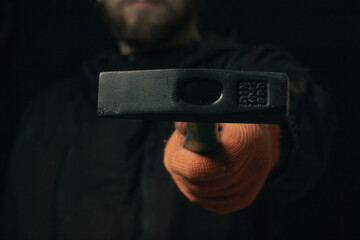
(202, 137)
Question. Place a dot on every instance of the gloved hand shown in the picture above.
(231, 177)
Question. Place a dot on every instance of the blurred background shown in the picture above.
(42, 42)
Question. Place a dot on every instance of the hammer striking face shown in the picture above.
(195, 95)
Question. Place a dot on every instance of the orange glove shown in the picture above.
(229, 178)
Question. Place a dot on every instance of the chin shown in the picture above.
(146, 17)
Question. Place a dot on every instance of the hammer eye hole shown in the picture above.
(201, 91)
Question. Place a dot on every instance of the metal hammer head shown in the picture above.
(195, 95)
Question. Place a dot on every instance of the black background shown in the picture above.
(45, 41)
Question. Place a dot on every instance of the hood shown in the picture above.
(206, 53)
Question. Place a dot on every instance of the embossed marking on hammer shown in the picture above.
(252, 93)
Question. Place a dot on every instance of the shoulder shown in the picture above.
(70, 98)
(231, 53)
(56, 93)
(52, 107)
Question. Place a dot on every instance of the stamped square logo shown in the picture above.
(252, 93)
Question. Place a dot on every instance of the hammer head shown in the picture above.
(194, 95)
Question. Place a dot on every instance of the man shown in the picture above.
(74, 176)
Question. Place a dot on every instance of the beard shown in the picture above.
(143, 28)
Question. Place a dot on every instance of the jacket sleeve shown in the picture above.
(308, 134)
(8, 213)
(9, 202)
(23, 173)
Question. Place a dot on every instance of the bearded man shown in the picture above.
(75, 176)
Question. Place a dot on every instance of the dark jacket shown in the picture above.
(75, 176)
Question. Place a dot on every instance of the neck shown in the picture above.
(182, 37)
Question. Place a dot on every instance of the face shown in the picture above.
(145, 22)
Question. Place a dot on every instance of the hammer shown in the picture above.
(200, 97)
